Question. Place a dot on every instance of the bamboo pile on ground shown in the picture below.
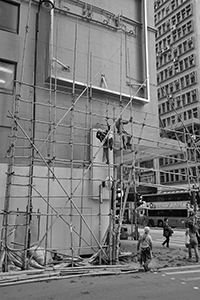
(51, 273)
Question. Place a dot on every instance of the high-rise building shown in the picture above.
(178, 83)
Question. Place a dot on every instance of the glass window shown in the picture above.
(9, 16)
(7, 73)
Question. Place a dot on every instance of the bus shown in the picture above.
(174, 205)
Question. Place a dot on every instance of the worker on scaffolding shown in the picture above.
(126, 137)
(103, 135)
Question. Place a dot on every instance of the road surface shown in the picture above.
(181, 283)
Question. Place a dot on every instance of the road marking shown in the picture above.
(172, 242)
(182, 272)
(196, 288)
(191, 279)
(181, 267)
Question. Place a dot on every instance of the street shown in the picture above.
(179, 283)
(177, 239)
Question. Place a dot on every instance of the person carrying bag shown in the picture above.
(167, 232)
(192, 235)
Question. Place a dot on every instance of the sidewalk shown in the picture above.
(174, 256)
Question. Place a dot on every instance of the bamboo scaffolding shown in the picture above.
(51, 160)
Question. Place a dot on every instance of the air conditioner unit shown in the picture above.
(175, 59)
(173, 28)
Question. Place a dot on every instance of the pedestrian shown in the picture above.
(126, 137)
(167, 232)
(193, 234)
(144, 249)
(103, 135)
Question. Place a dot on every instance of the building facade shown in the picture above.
(65, 72)
(177, 39)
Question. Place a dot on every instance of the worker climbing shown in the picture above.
(103, 135)
(126, 137)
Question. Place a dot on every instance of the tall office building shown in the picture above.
(178, 79)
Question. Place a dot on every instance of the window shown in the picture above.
(186, 62)
(171, 88)
(178, 102)
(181, 65)
(168, 106)
(161, 161)
(190, 114)
(183, 14)
(185, 46)
(184, 29)
(194, 96)
(162, 177)
(173, 120)
(180, 49)
(9, 16)
(179, 33)
(191, 59)
(163, 107)
(189, 26)
(188, 10)
(195, 113)
(191, 43)
(178, 17)
(193, 77)
(177, 85)
(182, 82)
(187, 80)
(183, 100)
(183, 174)
(188, 98)
(7, 73)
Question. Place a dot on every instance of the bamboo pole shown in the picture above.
(121, 160)
(72, 137)
(85, 138)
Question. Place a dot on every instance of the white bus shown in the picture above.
(172, 205)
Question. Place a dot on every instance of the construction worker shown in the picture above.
(126, 137)
(108, 143)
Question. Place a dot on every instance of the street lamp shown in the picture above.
(47, 4)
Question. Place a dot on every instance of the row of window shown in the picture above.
(186, 115)
(178, 175)
(171, 24)
(172, 160)
(192, 130)
(168, 54)
(169, 8)
(178, 102)
(178, 66)
(178, 33)
(177, 85)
